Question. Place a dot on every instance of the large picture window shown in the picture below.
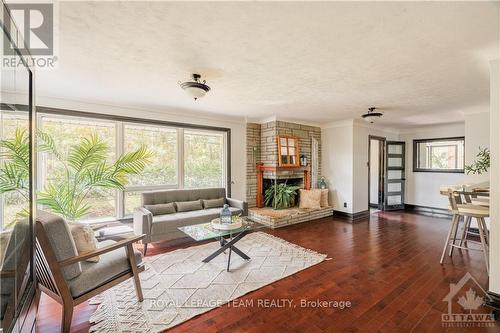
(180, 157)
(439, 155)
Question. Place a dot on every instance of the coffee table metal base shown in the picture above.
(229, 245)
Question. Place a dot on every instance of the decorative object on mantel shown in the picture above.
(196, 88)
(371, 115)
(322, 183)
(303, 160)
(481, 164)
(280, 196)
(175, 285)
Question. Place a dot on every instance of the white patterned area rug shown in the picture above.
(178, 286)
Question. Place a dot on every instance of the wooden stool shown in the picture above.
(467, 211)
(479, 213)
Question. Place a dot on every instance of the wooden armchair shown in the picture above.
(68, 278)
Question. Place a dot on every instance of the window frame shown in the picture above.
(416, 156)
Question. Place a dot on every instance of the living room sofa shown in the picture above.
(162, 212)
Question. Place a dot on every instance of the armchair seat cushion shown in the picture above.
(111, 265)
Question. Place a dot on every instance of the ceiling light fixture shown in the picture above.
(371, 115)
(196, 88)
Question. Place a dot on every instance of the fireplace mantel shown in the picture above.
(261, 168)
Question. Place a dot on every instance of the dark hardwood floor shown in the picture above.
(387, 267)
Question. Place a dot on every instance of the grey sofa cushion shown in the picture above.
(214, 203)
(61, 241)
(161, 209)
(93, 275)
(164, 224)
(159, 197)
(187, 206)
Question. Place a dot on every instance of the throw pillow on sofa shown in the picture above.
(161, 209)
(310, 199)
(324, 198)
(84, 238)
(214, 203)
(187, 206)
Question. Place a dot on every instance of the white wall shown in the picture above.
(374, 170)
(495, 176)
(345, 162)
(337, 163)
(477, 134)
(237, 126)
(422, 188)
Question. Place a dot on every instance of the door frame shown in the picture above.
(381, 173)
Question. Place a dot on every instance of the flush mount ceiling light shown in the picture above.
(371, 115)
(196, 88)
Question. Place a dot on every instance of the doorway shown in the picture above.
(376, 167)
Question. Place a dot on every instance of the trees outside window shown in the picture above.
(203, 159)
(162, 142)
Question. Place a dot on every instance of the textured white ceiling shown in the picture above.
(423, 62)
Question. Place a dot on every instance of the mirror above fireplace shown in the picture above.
(288, 150)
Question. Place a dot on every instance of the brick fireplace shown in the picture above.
(262, 152)
(262, 169)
